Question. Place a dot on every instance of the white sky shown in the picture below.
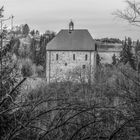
(94, 15)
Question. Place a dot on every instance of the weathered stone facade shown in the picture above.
(59, 64)
(71, 55)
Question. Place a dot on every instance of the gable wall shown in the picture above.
(65, 63)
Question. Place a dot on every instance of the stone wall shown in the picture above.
(60, 63)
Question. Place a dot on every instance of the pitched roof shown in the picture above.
(76, 40)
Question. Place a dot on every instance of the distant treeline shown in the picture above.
(109, 40)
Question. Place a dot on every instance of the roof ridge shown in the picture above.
(78, 39)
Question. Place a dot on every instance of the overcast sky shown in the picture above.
(94, 15)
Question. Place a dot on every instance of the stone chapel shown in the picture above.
(71, 49)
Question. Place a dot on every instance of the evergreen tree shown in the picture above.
(25, 30)
(41, 53)
(137, 52)
(98, 59)
(126, 55)
(33, 50)
(114, 60)
(137, 48)
(32, 32)
(37, 32)
(41, 56)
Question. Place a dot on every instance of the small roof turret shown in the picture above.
(71, 26)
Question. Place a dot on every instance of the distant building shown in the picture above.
(107, 50)
(71, 49)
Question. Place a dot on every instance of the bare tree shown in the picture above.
(131, 13)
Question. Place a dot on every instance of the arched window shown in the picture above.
(73, 56)
(56, 56)
(86, 57)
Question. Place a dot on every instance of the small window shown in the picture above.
(73, 56)
(66, 64)
(84, 66)
(86, 57)
(56, 56)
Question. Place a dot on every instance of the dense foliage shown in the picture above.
(108, 109)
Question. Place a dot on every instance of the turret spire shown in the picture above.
(71, 26)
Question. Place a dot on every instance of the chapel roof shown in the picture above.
(75, 40)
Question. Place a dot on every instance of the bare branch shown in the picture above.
(130, 14)
(11, 92)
